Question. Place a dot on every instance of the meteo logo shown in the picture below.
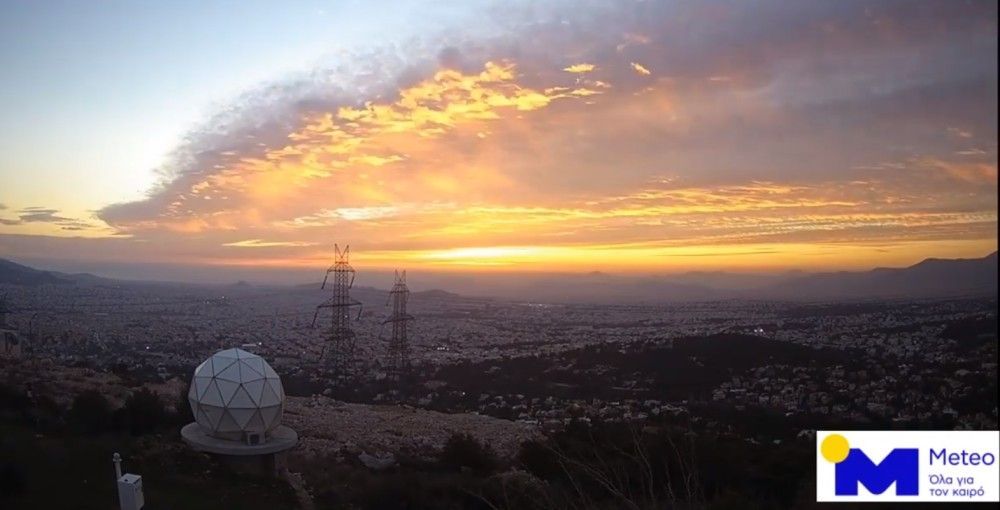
(933, 465)
(901, 467)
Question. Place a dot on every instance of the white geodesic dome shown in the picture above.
(235, 393)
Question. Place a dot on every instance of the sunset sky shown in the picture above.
(635, 136)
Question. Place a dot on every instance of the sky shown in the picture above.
(561, 136)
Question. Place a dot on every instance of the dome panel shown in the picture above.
(241, 400)
(268, 396)
(205, 368)
(256, 422)
(227, 423)
(235, 392)
(271, 416)
(242, 416)
(248, 372)
(200, 384)
(220, 364)
(200, 416)
(213, 414)
(256, 364)
(254, 389)
(212, 396)
(233, 353)
(227, 389)
(231, 373)
(269, 372)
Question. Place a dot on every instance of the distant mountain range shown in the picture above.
(927, 279)
(930, 278)
(17, 274)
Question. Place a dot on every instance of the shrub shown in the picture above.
(46, 415)
(144, 411)
(538, 458)
(13, 399)
(182, 407)
(90, 413)
(13, 480)
(463, 451)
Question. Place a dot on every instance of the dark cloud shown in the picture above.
(40, 215)
(47, 215)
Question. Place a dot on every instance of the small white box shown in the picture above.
(130, 492)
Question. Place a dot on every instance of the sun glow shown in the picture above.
(492, 255)
(655, 257)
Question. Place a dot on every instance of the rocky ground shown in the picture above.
(329, 426)
(45, 377)
(325, 426)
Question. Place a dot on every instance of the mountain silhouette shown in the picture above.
(14, 273)
(929, 278)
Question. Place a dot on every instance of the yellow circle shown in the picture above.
(835, 448)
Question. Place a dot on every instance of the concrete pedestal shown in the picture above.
(264, 459)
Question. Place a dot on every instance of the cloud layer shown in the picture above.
(561, 131)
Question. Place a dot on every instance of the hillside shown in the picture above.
(929, 278)
(13, 273)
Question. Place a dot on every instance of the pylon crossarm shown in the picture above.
(316, 313)
(327, 275)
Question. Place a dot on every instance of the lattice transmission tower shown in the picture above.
(339, 347)
(3, 311)
(398, 362)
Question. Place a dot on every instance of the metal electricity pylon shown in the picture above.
(3, 311)
(398, 362)
(338, 350)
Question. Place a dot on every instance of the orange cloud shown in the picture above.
(260, 243)
(491, 162)
(639, 68)
(975, 173)
(343, 151)
(580, 68)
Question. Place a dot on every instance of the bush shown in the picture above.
(538, 459)
(46, 415)
(144, 411)
(13, 480)
(182, 407)
(90, 413)
(12, 399)
(463, 451)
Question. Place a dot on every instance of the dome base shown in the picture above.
(278, 440)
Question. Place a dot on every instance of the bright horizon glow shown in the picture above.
(742, 258)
